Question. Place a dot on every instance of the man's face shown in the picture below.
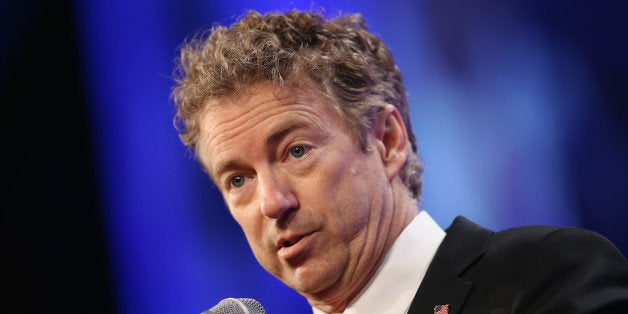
(314, 207)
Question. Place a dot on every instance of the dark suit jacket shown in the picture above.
(524, 270)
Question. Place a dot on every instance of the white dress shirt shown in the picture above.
(397, 280)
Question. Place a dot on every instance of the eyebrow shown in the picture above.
(226, 166)
(286, 129)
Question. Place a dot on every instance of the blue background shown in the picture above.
(519, 109)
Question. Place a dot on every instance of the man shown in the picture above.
(302, 123)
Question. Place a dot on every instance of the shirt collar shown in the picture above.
(395, 283)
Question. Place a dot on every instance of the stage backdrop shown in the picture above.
(519, 109)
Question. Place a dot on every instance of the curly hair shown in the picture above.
(353, 69)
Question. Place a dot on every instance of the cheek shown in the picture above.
(353, 208)
(352, 194)
(250, 225)
(361, 190)
(254, 233)
(263, 252)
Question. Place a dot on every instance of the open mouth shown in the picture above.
(296, 248)
(291, 242)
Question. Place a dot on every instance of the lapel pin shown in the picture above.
(441, 309)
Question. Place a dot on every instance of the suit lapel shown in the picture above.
(440, 286)
(463, 245)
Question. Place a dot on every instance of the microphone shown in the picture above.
(237, 306)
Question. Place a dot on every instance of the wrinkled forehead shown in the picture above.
(242, 94)
(286, 93)
(219, 113)
(213, 104)
(238, 102)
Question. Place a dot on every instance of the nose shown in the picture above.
(277, 198)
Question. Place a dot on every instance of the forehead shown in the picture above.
(259, 97)
(259, 111)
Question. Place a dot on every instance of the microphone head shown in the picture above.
(237, 306)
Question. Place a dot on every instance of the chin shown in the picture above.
(310, 282)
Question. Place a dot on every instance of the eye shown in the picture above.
(237, 181)
(297, 151)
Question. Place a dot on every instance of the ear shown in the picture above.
(391, 139)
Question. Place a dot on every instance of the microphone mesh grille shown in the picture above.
(238, 306)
